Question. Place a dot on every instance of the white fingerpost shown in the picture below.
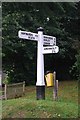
(51, 48)
(40, 84)
(40, 59)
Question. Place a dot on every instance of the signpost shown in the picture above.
(50, 49)
(47, 40)
(41, 50)
(28, 35)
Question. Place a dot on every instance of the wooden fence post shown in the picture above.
(55, 88)
(5, 91)
(23, 86)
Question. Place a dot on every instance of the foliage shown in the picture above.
(6, 79)
(76, 67)
(19, 56)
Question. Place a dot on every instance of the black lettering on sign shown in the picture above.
(50, 48)
(45, 43)
(50, 38)
(26, 33)
(47, 40)
(30, 34)
(47, 48)
(29, 37)
(23, 33)
(32, 38)
(45, 37)
(54, 44)
(36, 35)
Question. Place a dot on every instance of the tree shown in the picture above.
(19, 56)
(77, 65)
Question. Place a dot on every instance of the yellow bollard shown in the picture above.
(49, 79)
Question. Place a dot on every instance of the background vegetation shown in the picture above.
(20, 56)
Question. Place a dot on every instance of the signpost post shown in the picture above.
(41, 50)
(40, 84)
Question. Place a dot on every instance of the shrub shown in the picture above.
(76, 67)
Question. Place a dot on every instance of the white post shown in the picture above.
(40, 60)
(40, 84)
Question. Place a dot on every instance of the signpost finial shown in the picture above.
(40, 29)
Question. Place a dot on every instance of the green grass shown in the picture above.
(0, 92)
(28, 107)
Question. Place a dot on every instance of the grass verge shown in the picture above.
(28, 107)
